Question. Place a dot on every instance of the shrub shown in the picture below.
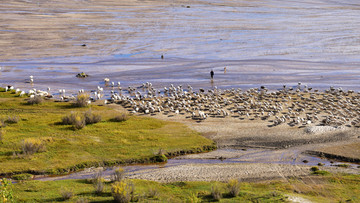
(69, 119)
(32, 145)
(98, 183)
(122, 191)
(120, 118)
(37, 99)
(314, 168)
(82, 100)
(79, 123)
(66, 193)
(233, 187)
(216, 192)
(22, 177)
(12, 119)
(118, 175)
(6, 194)
(91, 118)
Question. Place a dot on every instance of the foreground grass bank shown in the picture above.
(329, 188)
(64, 149)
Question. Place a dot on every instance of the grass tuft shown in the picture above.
(216, 192)
(37, 99)
(233, 187)
(118, 175)
(30, 146)
(82, 100)
(66, 193)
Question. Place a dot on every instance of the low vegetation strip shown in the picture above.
(315, 188)
(39, 142)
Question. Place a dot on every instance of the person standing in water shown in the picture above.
(212, 74)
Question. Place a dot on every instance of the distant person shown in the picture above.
(212, 74)
(224, 70)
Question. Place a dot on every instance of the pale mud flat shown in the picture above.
(260, 42)
(268, 152)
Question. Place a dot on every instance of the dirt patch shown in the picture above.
(341, 152)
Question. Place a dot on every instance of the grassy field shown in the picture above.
(65, 149)
(329, 188)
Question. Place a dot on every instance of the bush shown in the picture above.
(66, 193)
(12, 119)
(98, 183)
(79, 123)
(6, 194)
(22, 177)
(91, 118)
(314, 168)
(74, 119)
(216, 192)
(120, 118)
(32, 145)
(82, 100)
(37, 99)
(70, 119)
(233, 187)
(122, 191)
(118, 175)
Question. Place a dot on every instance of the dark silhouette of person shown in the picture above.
(212, 74)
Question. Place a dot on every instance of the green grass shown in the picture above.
(334, 188)
(137, 139)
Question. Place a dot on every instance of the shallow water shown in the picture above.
(260, 42)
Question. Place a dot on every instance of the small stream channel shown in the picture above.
(220, 156)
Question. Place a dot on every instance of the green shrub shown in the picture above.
(69, 119)
(91, 118)
(233, 187)
(98, 183)
(79, 123)
(122, 191)
(314, 168)
(22, 177)
(216, 192)
(6, 194)
(120, 118)
(37, 99)
(32, 145)
(82, 100)
(66, 193)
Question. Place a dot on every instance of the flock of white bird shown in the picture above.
(294, 106)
